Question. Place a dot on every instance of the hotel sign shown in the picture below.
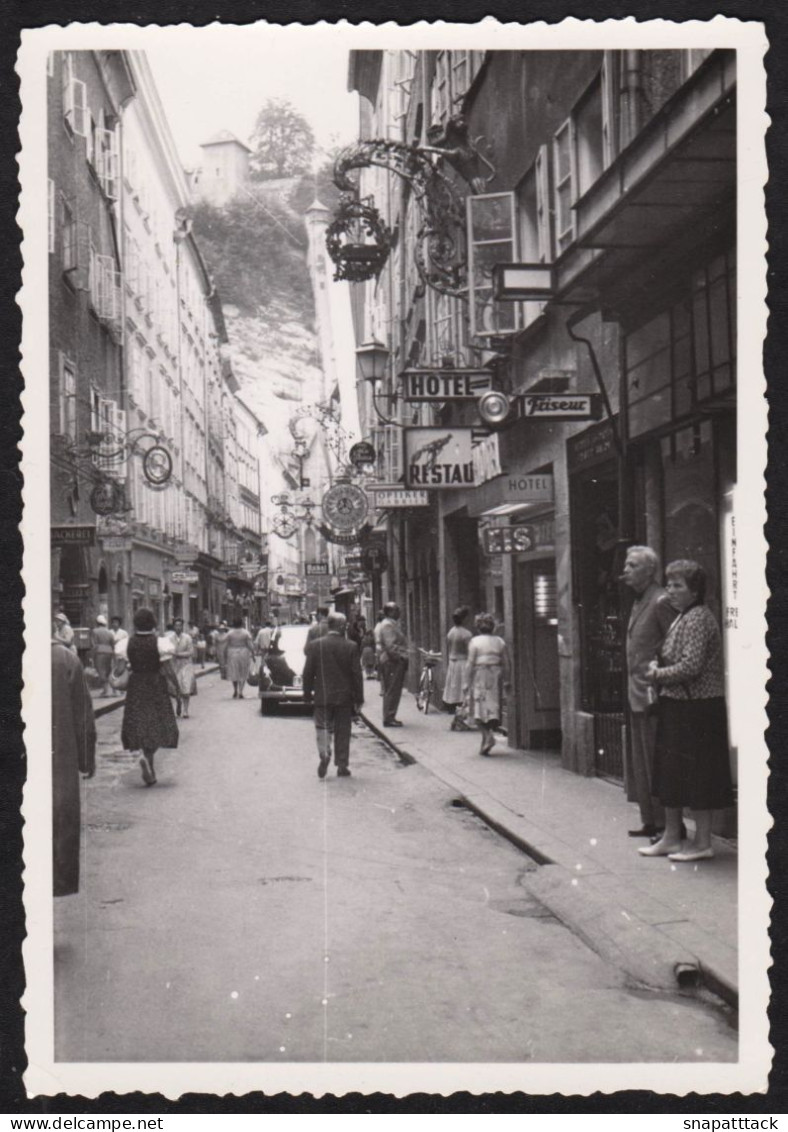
(511, 490)
(445, 384)
(438, 458)
(561, 406)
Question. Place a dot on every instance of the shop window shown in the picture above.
(492, 238)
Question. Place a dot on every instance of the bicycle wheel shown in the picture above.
(424, 692)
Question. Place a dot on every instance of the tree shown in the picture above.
(282, 141)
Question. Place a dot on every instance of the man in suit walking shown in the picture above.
(333, 682)
(649, 621)
(392, 645)
(319, 628)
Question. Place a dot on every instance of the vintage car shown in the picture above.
(281, 676)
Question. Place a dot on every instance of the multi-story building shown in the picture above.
(139, 362)
(86, 92)
(619, 188)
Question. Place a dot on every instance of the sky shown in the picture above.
(213, 83)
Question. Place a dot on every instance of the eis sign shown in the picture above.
(438, 457)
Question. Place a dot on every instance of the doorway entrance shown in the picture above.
(595, 525)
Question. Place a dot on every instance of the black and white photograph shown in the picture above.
(394, 557)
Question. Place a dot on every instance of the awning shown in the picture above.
(680, 166)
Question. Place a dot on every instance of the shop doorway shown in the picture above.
(536, 673)
(462, 551)
(595, 524)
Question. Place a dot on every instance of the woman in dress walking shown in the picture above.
(692, 758)
(458, 638)
(238, 651)
(182, 659)
(486, 675)
(148, 718)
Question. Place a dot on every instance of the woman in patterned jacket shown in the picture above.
(692, 766)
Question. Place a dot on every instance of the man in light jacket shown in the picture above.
(392, 661)
(650, 618)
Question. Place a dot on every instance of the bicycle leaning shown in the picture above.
(426, 690)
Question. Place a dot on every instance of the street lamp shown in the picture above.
(372, 360)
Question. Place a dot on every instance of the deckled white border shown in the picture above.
(750, 1073)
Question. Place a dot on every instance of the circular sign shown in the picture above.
(157, 465)
(495, 408)
(104, 498)
(345, 506)
(362, 453)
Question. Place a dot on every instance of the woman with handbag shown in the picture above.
(691, 766)
(148, 718)
(238, 651)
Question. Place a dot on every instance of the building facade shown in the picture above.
(618, 189)
(145, 457)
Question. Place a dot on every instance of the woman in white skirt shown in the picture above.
(183, 657)
(457, 639)
(486, 676)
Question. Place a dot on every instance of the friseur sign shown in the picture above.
(445, 384)
(561, 406)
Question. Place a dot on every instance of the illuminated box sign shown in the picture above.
(508, 540)
(115, 543)
(315, 569)
(561, 406)
(438, 458)
(445, 384)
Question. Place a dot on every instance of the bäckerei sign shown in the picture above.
(438, 458)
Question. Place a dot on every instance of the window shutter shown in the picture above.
(565, 184)
(77, 115)
(119, 436)
(107, 166)
(543, 212)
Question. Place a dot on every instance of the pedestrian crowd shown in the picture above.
(677, 758)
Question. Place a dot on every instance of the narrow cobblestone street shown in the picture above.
(242, 909)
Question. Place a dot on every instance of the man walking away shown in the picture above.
(333, 682)
(320, 627)
(393, 645)
(650, 618)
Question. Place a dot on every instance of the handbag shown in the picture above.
(253, 679)
(119, 680)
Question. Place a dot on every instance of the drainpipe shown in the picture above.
(631, 95)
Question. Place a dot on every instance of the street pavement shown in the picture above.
(244, 910)
(646, 915)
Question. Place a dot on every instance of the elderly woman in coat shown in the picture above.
(73, 750)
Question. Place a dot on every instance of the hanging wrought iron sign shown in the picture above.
(358, 241)
(362, 453)
(349, 539)
(105, 498)
(285, 526)
(157, 465)
(345, 507)
(440, 244)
